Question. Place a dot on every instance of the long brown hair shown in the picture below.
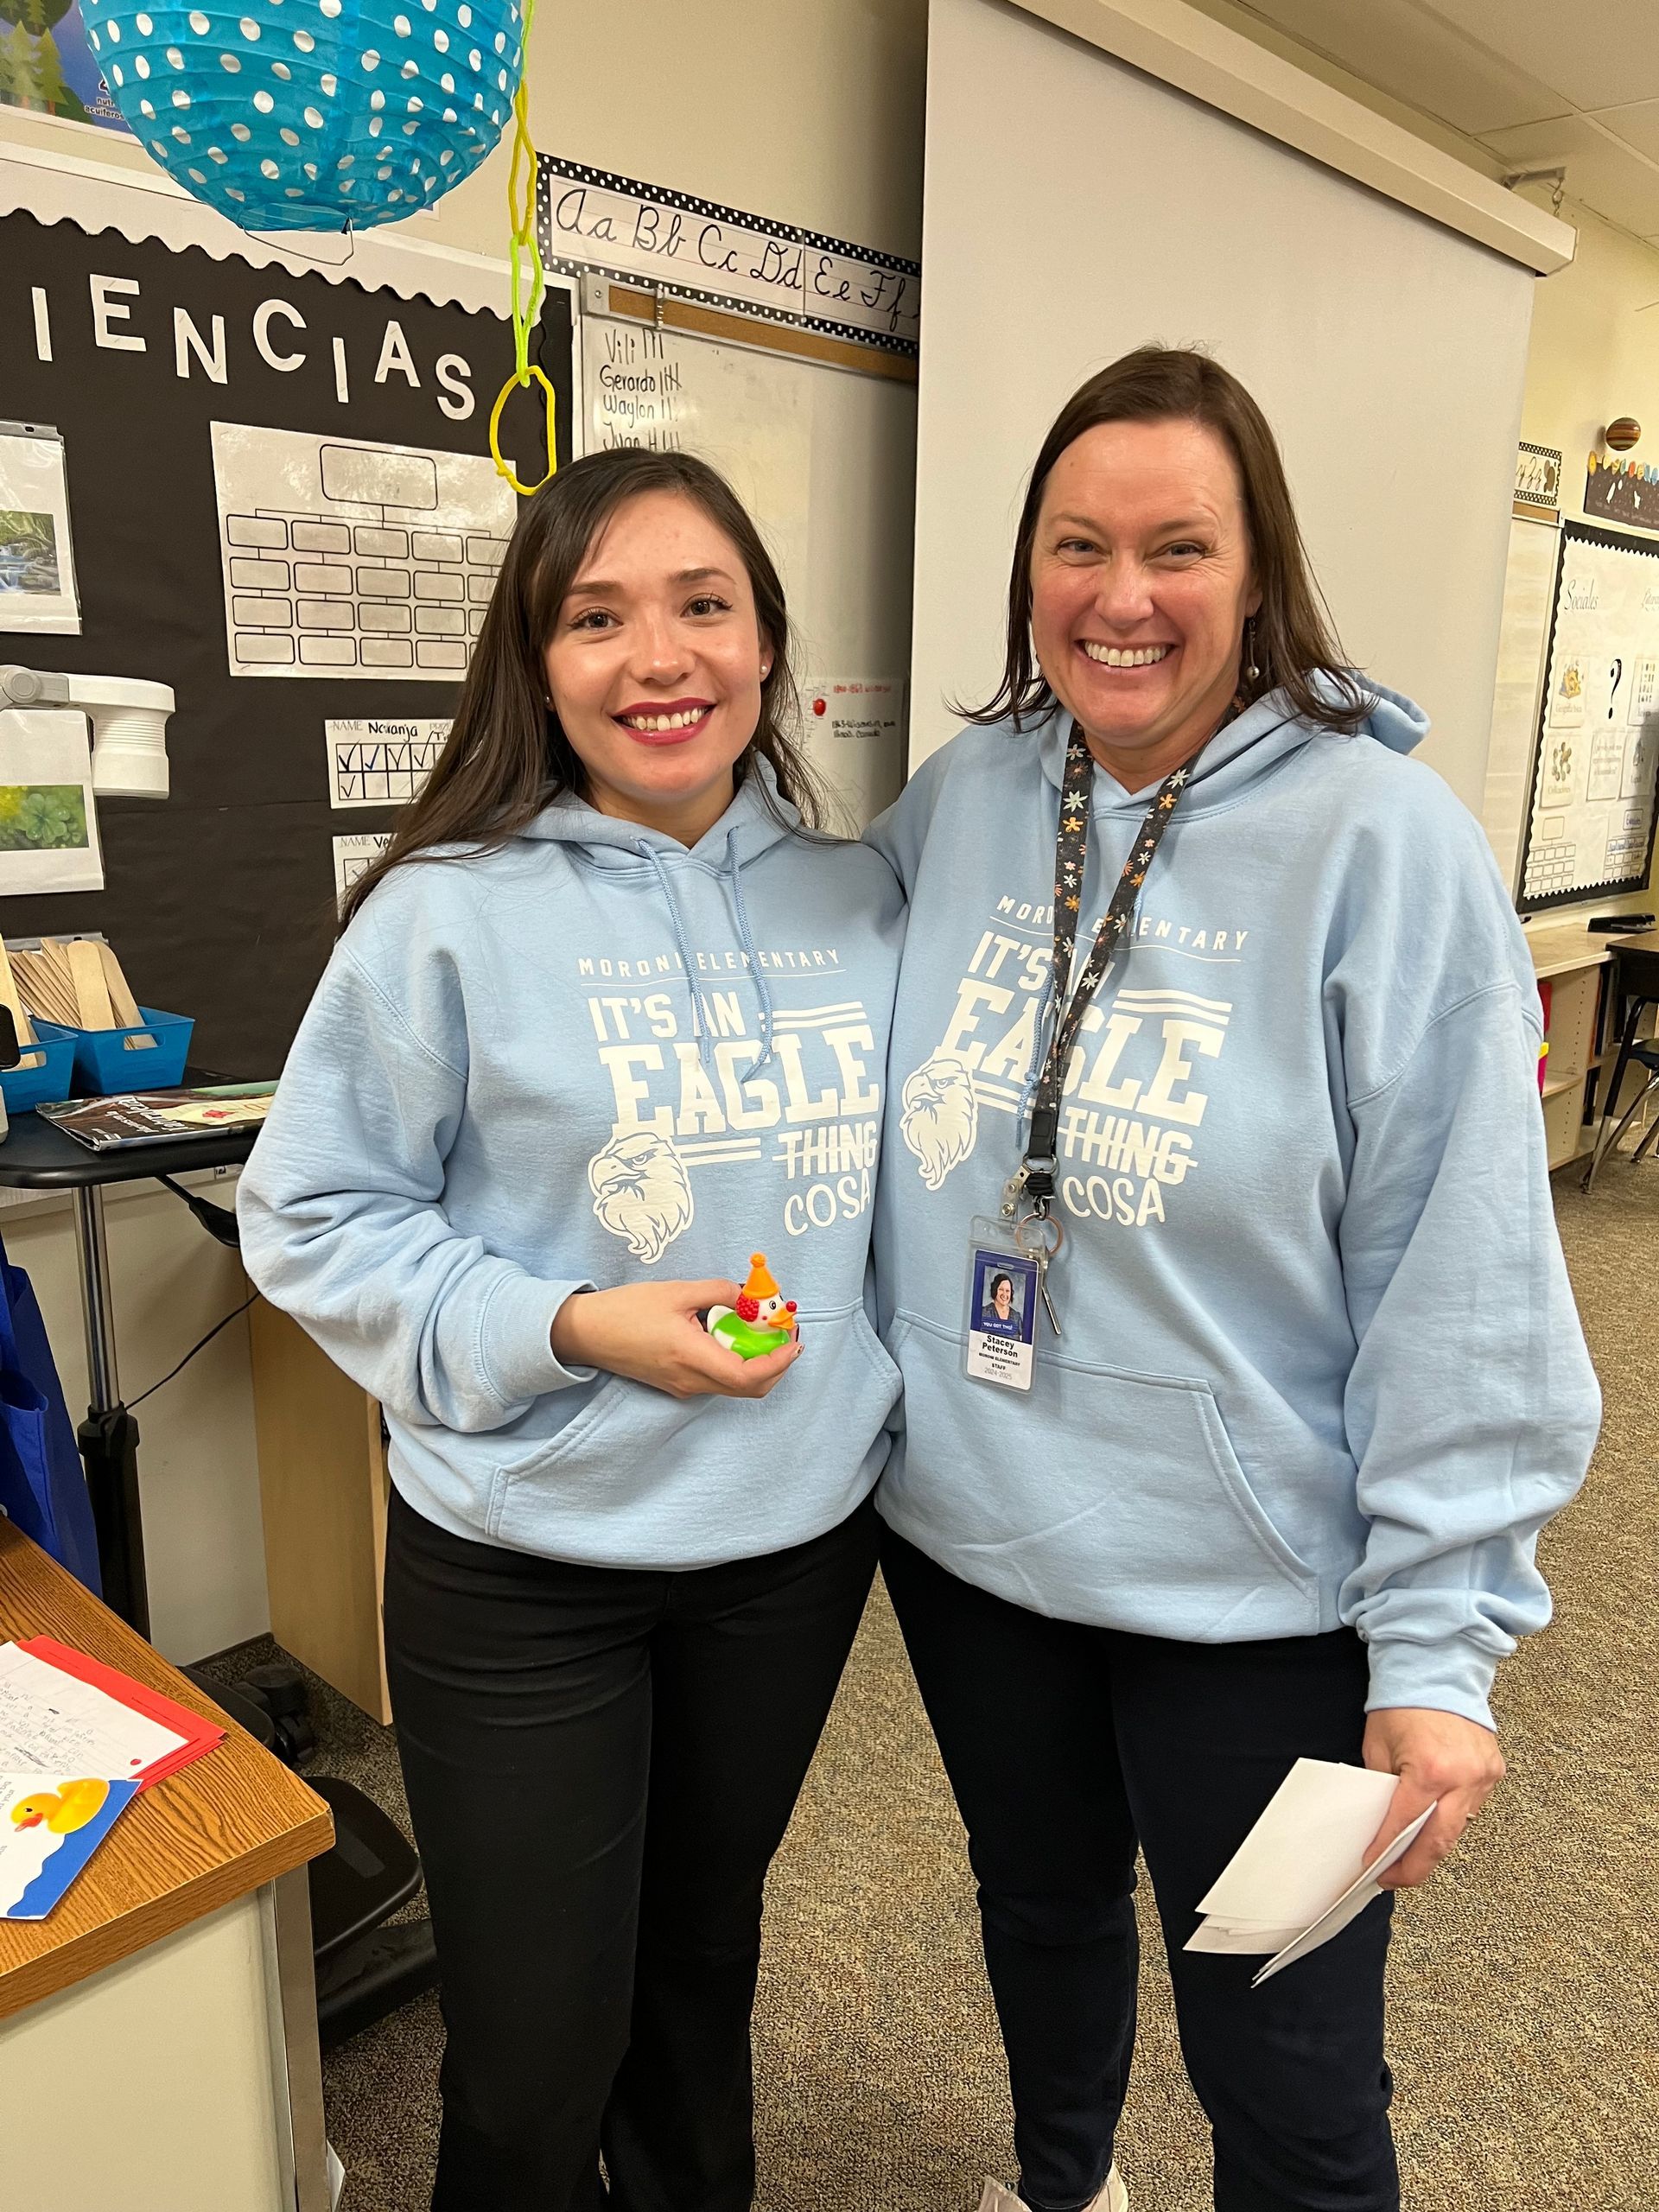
(1295, 640)
(506, 756)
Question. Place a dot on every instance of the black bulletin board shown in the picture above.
(220, 899)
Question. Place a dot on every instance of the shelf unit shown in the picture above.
(1575, 965)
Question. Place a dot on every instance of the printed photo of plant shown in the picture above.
(28, 552)
(42, 819)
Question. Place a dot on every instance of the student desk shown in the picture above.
(158, 2031)
(35, 1156)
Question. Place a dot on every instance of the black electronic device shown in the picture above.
(1618, 925)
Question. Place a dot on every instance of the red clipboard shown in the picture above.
(200, 1735)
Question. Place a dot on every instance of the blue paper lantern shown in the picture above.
(313, 114)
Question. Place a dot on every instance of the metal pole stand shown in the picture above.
(109, 1436)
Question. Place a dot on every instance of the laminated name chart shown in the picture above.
(344, 558)
(381, 763)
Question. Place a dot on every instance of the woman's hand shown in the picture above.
(650, 1331)
(1437, 1756)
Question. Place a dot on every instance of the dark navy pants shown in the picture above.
(600, 1764)
(1066, 1746)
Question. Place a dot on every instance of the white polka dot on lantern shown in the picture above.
(318, 111)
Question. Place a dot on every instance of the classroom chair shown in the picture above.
(1645, 1056)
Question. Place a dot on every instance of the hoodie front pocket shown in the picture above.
(700, 1476)
(1107, 1496)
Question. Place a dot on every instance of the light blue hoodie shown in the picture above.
(1321, 1362)
(590, 1058)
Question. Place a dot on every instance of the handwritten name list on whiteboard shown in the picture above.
(695, 248)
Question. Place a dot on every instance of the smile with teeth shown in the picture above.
(1125, 656)
(658, 725)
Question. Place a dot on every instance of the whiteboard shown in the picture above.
(1590, 828)
(824, 461)
(1075, 209)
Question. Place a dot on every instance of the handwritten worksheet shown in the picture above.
(50, 1723)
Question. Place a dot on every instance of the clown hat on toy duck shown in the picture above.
(762, 1304)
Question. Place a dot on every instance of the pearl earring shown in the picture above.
(1252, 673)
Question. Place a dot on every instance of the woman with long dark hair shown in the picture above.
(606, 1025)
(1217, 1028)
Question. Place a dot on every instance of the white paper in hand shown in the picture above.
(1301, 1875)
(1347, 1907)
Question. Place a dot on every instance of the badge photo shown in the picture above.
(1001, 1312)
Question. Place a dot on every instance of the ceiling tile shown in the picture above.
(1601, 171)
(1599, 53)
(1636, 125)
(1403, 49)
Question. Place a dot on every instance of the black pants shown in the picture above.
(601, 1764)
(1065, 1746)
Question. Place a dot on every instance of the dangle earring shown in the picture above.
(1252, 673)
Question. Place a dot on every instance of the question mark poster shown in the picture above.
(1591, 828)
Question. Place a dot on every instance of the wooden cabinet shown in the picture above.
(323, 1488)
(1574, 967)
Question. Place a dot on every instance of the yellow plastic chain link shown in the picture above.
(521, 215)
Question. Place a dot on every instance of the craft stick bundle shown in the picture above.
(75, 981)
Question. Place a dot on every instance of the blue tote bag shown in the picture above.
(42, 1482)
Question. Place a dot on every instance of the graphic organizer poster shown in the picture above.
(346, 558)
(221, 899)
(1590, 826)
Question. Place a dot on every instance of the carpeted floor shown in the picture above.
(1525, 2021)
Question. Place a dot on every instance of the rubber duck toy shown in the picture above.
(61, 1810)
(763, 1319)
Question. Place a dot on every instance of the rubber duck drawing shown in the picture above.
(61, 1810)
(763, 1319)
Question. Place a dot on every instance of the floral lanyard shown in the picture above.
(1038, 1233)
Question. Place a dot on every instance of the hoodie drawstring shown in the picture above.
(745, 939)
(664, 884)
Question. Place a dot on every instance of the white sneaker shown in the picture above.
(1113, 2197)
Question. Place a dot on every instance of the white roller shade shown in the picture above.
(1075, 209)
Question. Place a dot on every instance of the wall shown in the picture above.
(1594, 355)
(809, 112)
(196, 1461)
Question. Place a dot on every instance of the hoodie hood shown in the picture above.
(758, 818)
(1247, 748)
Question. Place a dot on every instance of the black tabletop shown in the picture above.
(35, 1156)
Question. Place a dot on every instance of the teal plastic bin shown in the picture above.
(46, 1070)
(105, 1064)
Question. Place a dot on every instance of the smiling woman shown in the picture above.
(605, 1013)
(1272, 1148)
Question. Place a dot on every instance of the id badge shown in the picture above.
(1001, 1318)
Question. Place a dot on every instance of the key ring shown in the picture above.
(1044, 1246)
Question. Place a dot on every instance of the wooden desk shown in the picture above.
(1583, 1026)
(158, 2035)
(323, 1490)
